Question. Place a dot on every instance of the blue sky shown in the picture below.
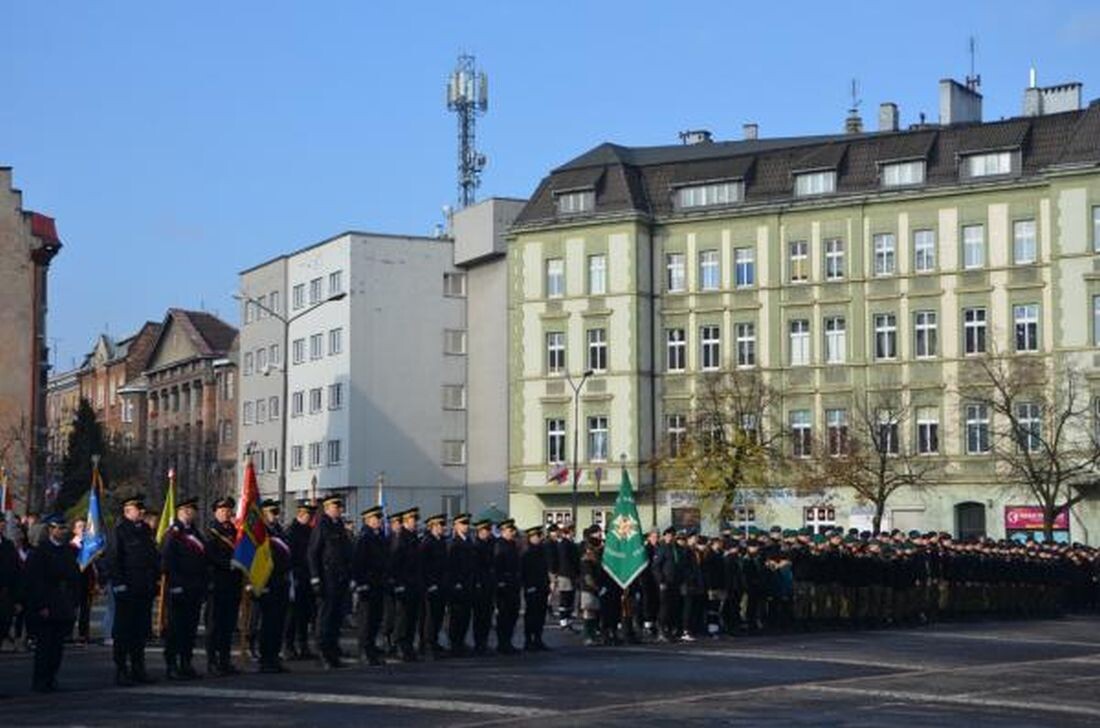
(177, 143)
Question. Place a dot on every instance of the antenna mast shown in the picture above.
(468, 98)
(973, 81)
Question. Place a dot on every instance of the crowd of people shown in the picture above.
(415, 591)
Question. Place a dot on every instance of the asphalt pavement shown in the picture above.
(955, 674)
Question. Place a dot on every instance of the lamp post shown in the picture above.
(284, 413)
(576, 387)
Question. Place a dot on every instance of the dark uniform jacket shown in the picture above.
(433, 562)
(220, 543)
(9, 567)
(405, 562)
(330, 555)
(506, 564)
(667, 565)
(53, 581)
(133, 559)
(462, 566)
(569, 558)
(369, 565)
(484, 578)
(297, 536)
(280, 559)
(183, 556)
(534, 571)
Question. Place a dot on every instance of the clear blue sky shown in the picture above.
(177, 143)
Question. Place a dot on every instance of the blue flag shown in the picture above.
(94, 542)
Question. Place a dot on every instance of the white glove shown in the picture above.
(433, 589)
(119, 588)
(315, 581)
(399, 590)
(176, 590)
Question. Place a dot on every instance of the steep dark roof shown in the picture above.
(641, 180)
(213, 336)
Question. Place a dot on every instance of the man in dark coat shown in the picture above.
(275, 597)
(369, 571)
(507, 575)
(668, 572)
(433, 567)
(535, 578)
(225, 584)
(302, 607)
(183, 556)
(134, 566)
(330, 554)
(53, 579)
(461, 578)
(11, 573)
(569, 571)
(405, 574)
(484, 585)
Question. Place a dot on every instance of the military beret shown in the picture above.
(439, 518)
(188, 503)
(225, 502)
(372, 511)
(483, 523)
(509, 523)
(461, 518)
(818, 538)
(534, 531)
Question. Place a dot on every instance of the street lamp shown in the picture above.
(283, 413)
(576, 387)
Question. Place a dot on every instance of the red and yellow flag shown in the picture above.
(252, 553)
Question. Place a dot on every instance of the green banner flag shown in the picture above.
(624, 554)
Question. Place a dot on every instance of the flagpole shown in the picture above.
(162, 588)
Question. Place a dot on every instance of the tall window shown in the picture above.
(1096, 228)
(814, 183)
(1026, 318)
(924, 329)
(677, 350)
(597, 350)
(316, 346)
(261, 360)
(335, 341)
(334, 452)
(555, 352)
(314, 291)
(709, 270)
(676, 428)
(1024, 248)
(314, 454)
(745, 334)
(1096, 320)
(296, 453)
(676, 281)
(555, 278)
(886, 336)
(299, 292)
(836, 340)
(315, 400)
(275, 301)
(901, 174)
(273, 408)
(274, 355)
(924, 251)
(744, 267)
(248, 367)
(801, 434)
(299, 350)
(800, 342)
(984, 165)
(336, 396)
(974, 330)
(928, 431)
(885, 254)
(249, 413)
(555, 441)
(836, 424)
(454, 285)
(335, 282)
(1029, 426)
(887, 432)
(799, 260)
(977, 429)
(597, 439)
(709, 348)
(834, 259)
(297, 403)
(973, 246)
(597, 275)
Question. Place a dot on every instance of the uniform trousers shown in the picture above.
(301, 616)
(184, 608)
(273, 608)
(534, 615)
(369, 618)
(131, 628)
(49, 643)
(507, 599)
(222, 610)
(432, 618)
(406, 613)
(482, 617)
(458, 617)
(330, 619)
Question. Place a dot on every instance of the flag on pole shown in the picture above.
(558, 474)
(624, 556)
(168, 513)
(94, 542)
(252, 553)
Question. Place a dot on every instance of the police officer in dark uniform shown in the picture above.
(484, 585)
(302, 607)
(535, 576)
(225, 589)
(369, 571)
(389, 602)
(461, 573)
(407, 581)
(52, 585)
(183, 556)
(275, 597)
(507, 575)
(330, 553)
(569, 572)
(433, 567)
(134, 566)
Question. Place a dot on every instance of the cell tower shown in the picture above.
(468, 97)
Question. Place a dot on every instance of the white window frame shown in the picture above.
(1029, 421)
(314, 455)
(798, 261)
(248, 413)
(316, 346)
(297, 455)
(836, 431)
(315, 291)
(836, 339)
(555, 440)
(555, 277)
(598, 442)
(454, 342)
(834, 259)
(316, 400)
(889, 434)
(975, 331)
(799, 341)
(454, 285)
(597, 275)
(925, 334)
(335, 282)
(555, 352)
(676, 273)
(801, 424)
(597, 349)
(710, 194)
(710, 270)
(1096, 320)
(928, 431)
(924, 250)
(454, 452)
(248, 369)
(454, 397)
(710, 348)
(273, 409)
(886, 336)
(973, 243)
(299, 295)
(903, 174)
(299, 351)
(336, 396)
(1025, 243)
(335, 341)
(576, 202)
(976, 428)
(1025, 325)
(297, 403)
(744, 267)
(885, 254)
(988, 164)
(334, 454)
(676, 432)
(808, 184)
(675, 350)
(745, 340)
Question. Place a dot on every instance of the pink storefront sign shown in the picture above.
(1022, 518)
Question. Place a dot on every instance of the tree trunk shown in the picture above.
(1048, 522)
(876, 522)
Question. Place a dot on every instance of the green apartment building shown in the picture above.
(883, 260)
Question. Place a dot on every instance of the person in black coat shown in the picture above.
(405, 574)
(506, 573)
(369, 571)
(569, 572)
(10, 580)
(183, 555)
(53, 581)
(433, 567)
(484, 585)
(274, 600)
(134, 566)
(535, 576)
(461, 579)
(330, 555)
(669, 574)
(302, 607)
(225, 589)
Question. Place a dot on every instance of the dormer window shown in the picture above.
(903, 174)
(987, 164)
(709, 195)
(808, 184)
(576, 202)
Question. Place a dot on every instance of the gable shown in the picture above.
(174, 345)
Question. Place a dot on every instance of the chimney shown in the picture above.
(959, 104)
(1051, 99)
(888, 116)
(853, 124)
(695, 136)
(751, 131)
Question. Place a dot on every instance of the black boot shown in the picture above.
(122, 677)
(138, 672)
(171, 670)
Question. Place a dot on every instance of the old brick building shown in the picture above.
(109, 367)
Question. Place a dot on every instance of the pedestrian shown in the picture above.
(134, 566)
(569, 564)
(226, 584)
(184, 560)
(10, 578)
(330, 554)
(274, 599)
(369, 570)
(86, 591)
(53, 580)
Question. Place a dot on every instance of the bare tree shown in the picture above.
(1042, 432)
(868, 453)
(728, 440)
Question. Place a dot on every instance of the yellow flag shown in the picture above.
(169, 510)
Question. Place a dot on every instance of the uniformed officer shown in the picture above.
(507, 575)
(461, 580)
(433, 567)
(369, 571)
(183, 556)
(484, 585)
(225, 589)
(330, 552)
(535, 576)
(389, 603)
(134, 566)
(52, 584)
(275, 597)
(569, 569)
(407, 582)
(302, 607)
